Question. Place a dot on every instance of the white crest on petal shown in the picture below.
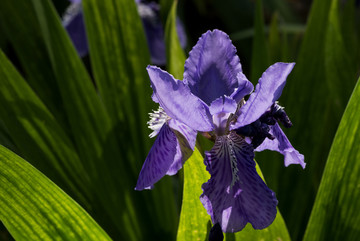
(157, 120)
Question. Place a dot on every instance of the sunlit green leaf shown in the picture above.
(93, 131)
(194, 219)
(36, 132)
(119, 56)
(174, 53)
(34, 208)
(336, 212)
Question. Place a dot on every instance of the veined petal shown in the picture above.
(73, 22)
(282, 145)
(188, 133)
(186, 138)
(235, 193)
(177, 100)
(212, 67)
(267, 91)
(159, 159)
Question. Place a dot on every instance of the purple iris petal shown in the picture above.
(267, 91)
(159, 159)
(177, 100)
(282, 144)
(212, 67)
(74, 24)
(235, 193)
(220, 109)
(186, 143)
(245, 88)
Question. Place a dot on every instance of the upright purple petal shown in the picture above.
(245, 88)
(235, 193)
(220, 109)
(267, 91)
(159, 160)
(73, 22)
(212, 67)
(177, 100)
(282, 145)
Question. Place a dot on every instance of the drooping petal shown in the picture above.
(159, 159)
(235, 193)
(267, 91)
(212, 67)
(73, 22)
(177, 100)
(186, 138)
(282, 145)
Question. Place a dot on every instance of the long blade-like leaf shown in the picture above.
(94, 133)
(259, 58)
(314, 97)
(119, 56)
(34, 208)
(36, 132)
(23, 30)
(174, 53)
(193, 218)
(336, 212)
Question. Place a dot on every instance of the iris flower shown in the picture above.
(149, 12)
(211, 100)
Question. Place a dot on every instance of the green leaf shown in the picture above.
(193, 218)
(37, 134)
(81, 101)
(314, 97)
(34, 208)
(21, 25)
(93, 131)
(119, 57)
(259, 58)
(174, 53)
(336, 212)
